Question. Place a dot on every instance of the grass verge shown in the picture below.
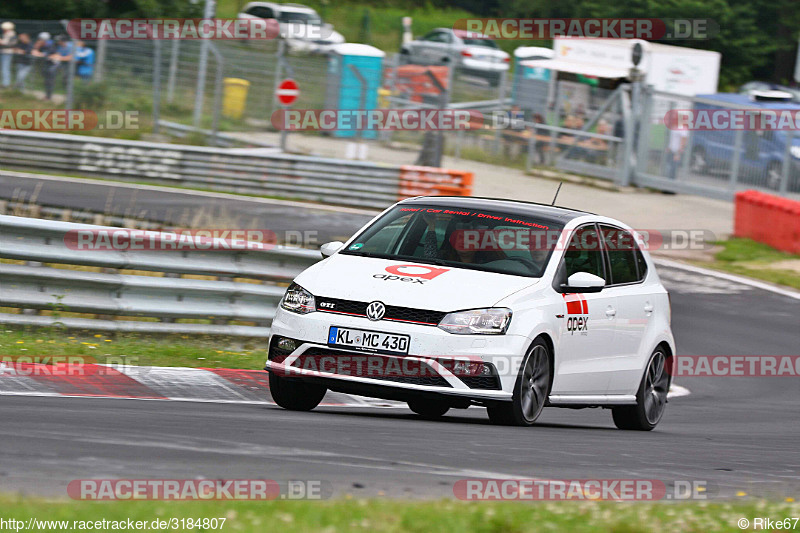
(753, 259)
(403, 516)
(41, 344)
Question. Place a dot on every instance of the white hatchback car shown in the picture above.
(447, 302)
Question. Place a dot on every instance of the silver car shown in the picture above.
(471, 53)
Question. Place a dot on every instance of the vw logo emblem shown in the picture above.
(375, 311)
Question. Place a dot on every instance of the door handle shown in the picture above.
(648, 308)
(610, 312)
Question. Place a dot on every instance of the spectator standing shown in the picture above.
(84, 57)
(678, 139)
(24, 59)
(8, 43)
(57, 65)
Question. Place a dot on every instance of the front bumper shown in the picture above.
(428, 346)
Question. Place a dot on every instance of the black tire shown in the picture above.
(294, 394)
(530, 391)
(651, 398)
(698, 163)
(429, 409)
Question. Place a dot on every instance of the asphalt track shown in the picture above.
(736, 435)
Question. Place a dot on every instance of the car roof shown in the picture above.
(546, 212)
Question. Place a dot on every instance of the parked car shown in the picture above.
(762, 152)
(752, 86)
(475, 55)
(420, 306)
(301, 26)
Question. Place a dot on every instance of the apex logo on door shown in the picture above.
(577, 305)
(411, 273)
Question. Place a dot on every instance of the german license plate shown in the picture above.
(370, 341)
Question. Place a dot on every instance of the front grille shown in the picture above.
(312, 360)
(393, 313)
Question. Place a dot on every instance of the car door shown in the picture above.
(635, 305)
(586, 321)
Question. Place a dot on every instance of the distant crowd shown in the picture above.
(20, 55)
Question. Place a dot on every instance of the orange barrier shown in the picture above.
(413, 80)
(773, 220)
(430, 181)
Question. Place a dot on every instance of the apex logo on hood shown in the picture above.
(411, 273)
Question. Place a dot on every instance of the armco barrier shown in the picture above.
(769, 219)
(246, 284)
(325, 180)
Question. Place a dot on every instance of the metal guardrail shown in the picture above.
(331, 181)
(240, 284)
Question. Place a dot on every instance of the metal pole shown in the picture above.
(737, 155)
(787, 163)
(101, 59)
(156, 83)
(278, 68)
(71, 76)
(502, 98)
(217, 93)
(624, 177)
(202, 67)
(173, 70)
(362, 97)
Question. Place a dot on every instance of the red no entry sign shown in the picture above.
(287, 92)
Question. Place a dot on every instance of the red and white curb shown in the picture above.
(213, 385)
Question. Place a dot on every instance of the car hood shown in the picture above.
(408, 284)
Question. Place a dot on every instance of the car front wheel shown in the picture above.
(530, 391)
(294, 394)
(651, 398)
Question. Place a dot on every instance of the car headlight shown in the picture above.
(493, 321)
(298, 300)
(795, 151)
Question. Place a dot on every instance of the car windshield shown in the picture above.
(481, 42)
(469, 238)
(302, 18)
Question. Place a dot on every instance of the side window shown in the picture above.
(583, 253)
(620, 247)
(260, 11)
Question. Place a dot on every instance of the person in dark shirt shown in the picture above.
(24, 59)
